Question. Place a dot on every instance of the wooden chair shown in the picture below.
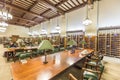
(10, 55)
(95, 59)
(17, 53)
(71, 77)
(95, 71)
(89, 74)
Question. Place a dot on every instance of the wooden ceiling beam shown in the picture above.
(36, 2)
(73, 2)
(24, 19)
(12, 1)
(70, 4)
(77, 7)
(23, 10)
(63, 1)
(19, 23)
(52, 6)
(66, 6)
(83, 1)
(45, 11)
(78, 2)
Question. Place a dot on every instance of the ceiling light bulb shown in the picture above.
(87, 22)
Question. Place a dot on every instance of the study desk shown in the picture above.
(10, 52)
(34, 69)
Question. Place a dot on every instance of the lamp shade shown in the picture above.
(72, 42)
(19, 40)
(45, 45)
(82, 42)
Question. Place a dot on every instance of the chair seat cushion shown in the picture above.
(22, 56)
(88, 75)
(28, 54)
(92, 62)
(62, 48)
(18, 54)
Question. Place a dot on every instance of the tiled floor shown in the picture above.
(112, 71)
(5, 73)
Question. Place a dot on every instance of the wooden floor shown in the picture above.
(35, 69)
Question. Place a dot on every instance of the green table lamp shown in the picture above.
(83, 43)
(72, 43)
(45, 45)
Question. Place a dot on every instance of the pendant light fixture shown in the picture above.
(57, 27)
(43, 30)
(4, 16)
(29, 33)
(87, 21)
(4, 12)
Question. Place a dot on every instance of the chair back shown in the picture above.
(19, 50)
(71, 77)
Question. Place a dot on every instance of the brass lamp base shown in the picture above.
(45, 62)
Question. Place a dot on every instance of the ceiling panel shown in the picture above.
(32, 12)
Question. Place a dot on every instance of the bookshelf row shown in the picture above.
(109, 41)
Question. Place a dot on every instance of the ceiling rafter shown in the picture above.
(70, 4)
(36, 2)
(84, 1)
(12, 1)
(78, 2)
(77, 7)
(45, 11)
(55, 1)
(73, 2)
(63, 1)
(42, 13)
(24, 19)
(53, 6)
(23, 10)
(19, 23)
(66, 6)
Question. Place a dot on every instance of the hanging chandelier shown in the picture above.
(57, 27)
(87, 21)
(4, 12)
(3, 24)
(4, 16)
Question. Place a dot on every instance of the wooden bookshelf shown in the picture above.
(109, 41)
(78, 36)
(90, 42)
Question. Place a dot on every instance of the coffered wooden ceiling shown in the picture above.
(32, 12)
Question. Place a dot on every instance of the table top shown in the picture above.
(34, 69)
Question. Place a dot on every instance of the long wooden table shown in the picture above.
(34, 69)
(10, 52)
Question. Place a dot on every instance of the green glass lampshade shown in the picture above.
(82, 42)
(19, 40)
(72, 42)
(45, 45)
